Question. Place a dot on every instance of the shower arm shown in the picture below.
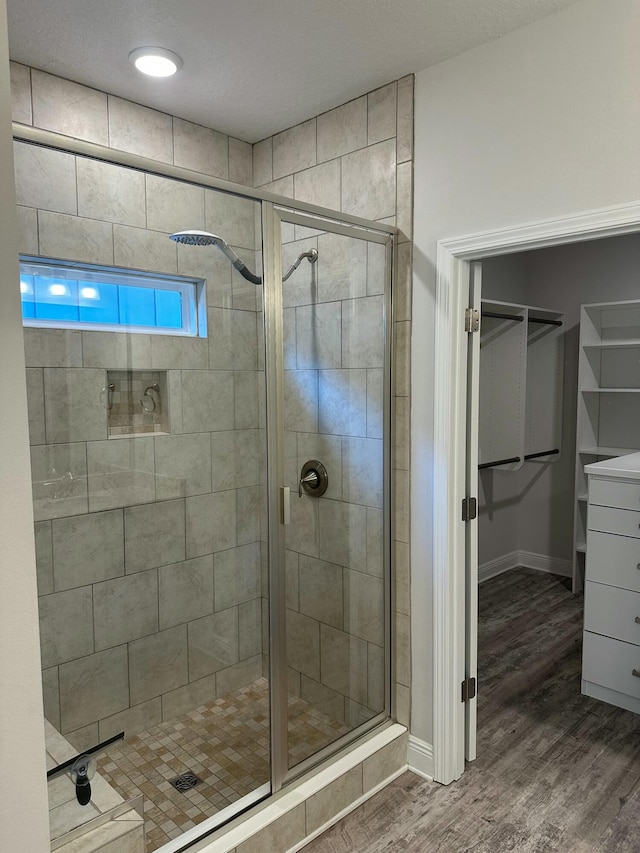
(244, 271)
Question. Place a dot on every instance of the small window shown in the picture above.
(60, 295)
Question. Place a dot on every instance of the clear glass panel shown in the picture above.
(334, 360)
(149, 496)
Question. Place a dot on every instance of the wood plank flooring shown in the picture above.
(556, 771)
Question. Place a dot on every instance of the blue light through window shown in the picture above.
(62, 295)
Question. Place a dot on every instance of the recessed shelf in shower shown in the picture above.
(136, 402)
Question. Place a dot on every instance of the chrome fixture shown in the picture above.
(314, 479)
(148, 401)
(204, 238)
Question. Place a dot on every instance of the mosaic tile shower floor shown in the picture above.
(225, 743)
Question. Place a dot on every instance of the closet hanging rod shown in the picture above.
(500, 316)
(544, 453)
(499, 462)
(545, 322)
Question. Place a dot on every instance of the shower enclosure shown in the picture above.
(210, 465)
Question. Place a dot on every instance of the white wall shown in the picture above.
(21, 718)
(541, 123)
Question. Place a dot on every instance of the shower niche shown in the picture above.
(137, 403)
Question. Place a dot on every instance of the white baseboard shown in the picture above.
(420, 757)
(540, 562)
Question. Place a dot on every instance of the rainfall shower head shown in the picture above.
(205, 238)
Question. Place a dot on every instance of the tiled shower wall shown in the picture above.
(148, 548)
(357, 158)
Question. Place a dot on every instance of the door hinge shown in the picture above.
(469, 509)
(471, 320)
(468, 689)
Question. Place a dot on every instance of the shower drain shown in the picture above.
(185, 782)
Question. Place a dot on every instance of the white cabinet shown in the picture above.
(611, 639)
(608, 402)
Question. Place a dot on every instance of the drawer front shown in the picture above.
(614, 493)
(612, 612)
(611, 663)
(613, 560)
(607, 520)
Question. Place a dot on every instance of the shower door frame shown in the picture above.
(273, 215)
(276, 208)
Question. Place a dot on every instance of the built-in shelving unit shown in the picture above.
(521, 383)
(608, 401)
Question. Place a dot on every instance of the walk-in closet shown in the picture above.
(558, 489)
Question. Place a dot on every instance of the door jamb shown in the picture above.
(450, 404)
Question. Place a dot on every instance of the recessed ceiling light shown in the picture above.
(155, 61)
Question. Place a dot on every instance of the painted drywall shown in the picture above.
(21, 716)
(539, 124)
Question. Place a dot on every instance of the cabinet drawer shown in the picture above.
(614, 493)
(614, 560)
(612, 612)
(608, 520)
(611, 663)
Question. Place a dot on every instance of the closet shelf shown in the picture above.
(607, 451)
(622, 344)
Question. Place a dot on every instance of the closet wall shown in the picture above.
(532, 509)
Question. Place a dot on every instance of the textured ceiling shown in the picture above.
(254, 67)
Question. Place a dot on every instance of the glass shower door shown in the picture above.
(335, 384)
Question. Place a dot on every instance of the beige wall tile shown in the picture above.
(35, 403)
(142, 249)
(27, 230)
(402, 578)
(200, 148)
(51, 695)
(73, 405)
(234, 677)
(375, 678)
(321, 591)
(250, 629)
(83, 738)
(232, 218)
(116, 350)
(369, 181)
(364, 606)
(324, 805)
(402, 304)
(240, 162)
(362, 471)
(158, 664)
(111, 193)
(342, 267)
(125, 609)
(154, 535)
(342, 130)
(294, 149)
(318, 336)
(211, 523)
(375, 403)
(403, 425)
(344, 663)
(66, 496)
(132, 720)
(186, 591)
(66, 626)
(303, 644)
(93, 687)
(292, 580)
(52, 348)
(319, 185)
(375, 542)
(235, 458)
(75, 239)
(282, 834)
(303, 534)
(326, 449)
(301, 400)
(343, 401)
(173, 206)
(302, 287)
(237, 575)
(183, 465)
(87, 549)
(44, 557)
(403, 705)
(213, 643)
(207, 399)
(401, 479)
(404, 190)
(363, 332)
(263, 162)
(283, 187)
(232, 339)
(121, 473)
(384, 763)
(323, 698)
(45, 178)
(248, 386)
(376, 268)
(343, 534)
(20, 93)
(213, 267)
(405, 118)
(169, 353)
(403, 650)
(140, 130)
(69, 108)
(402, 348)
(178, 702)
(381, 105)
(249, 504)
